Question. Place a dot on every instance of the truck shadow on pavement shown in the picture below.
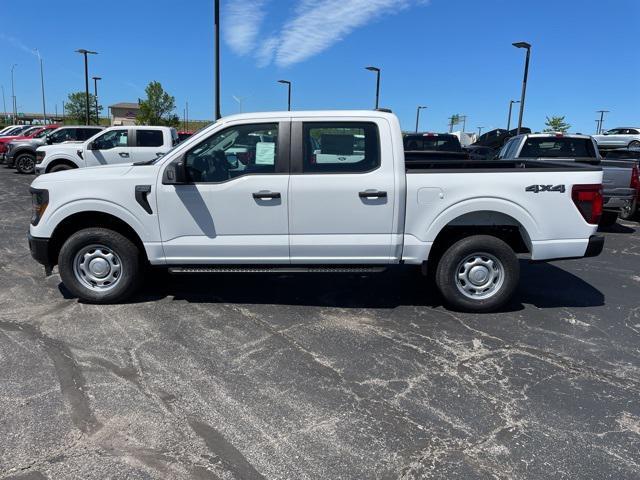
(542, 284)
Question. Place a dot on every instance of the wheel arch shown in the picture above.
(88, 219)
(60, 161)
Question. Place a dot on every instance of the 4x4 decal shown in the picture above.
(545, 188)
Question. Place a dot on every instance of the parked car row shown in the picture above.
(306, 192)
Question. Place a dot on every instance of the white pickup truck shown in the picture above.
(247, 194)
(110, 146)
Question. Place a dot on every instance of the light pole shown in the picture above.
(464, 122)
(13, 93)
(480, 131)
(511, 102)
(4, 105)
(44, 106)
(216, 21)
(601, 112)
(288, 84)
(527, 46)
(95, 89)
(377, 71)
(186, 116)
(597, 126)
(418, 116)
(86, 81)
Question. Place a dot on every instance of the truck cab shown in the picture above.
(111, 146)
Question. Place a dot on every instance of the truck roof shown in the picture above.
(309, 114)
(554, 134)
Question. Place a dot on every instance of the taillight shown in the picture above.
(635, 177)
(588, 200)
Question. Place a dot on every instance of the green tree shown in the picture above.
(158, 108)
(556, 124)
(75, 107)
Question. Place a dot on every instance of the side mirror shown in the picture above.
(48, 141)
(175, 173)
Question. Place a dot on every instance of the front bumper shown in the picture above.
(595, 246)
(40, 251)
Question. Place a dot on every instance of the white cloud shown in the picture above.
(242, 22)
(314, 26)
(320, 24)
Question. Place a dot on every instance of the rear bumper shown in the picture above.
(595, 246)
(618, 198)
(40, 251)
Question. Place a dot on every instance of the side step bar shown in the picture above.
(277, 269)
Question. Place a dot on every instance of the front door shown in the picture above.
(234, 208)
(342, 193)
(109, 148)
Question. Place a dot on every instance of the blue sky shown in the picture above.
(455, 56)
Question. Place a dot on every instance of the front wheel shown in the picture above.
(629, 211)
(25, 163)
(98, 265)
(59, 168)
(478, 274)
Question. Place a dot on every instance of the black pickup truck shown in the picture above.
(433, 146)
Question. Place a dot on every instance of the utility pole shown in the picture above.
(480, 131)
(601, 112)
(64, 109)
(84, 52)
(216, 21)
(186, 116)
(95, 88)
(44, 105)
(464, 123)
(13, 93)
(4, 105)
(527, 46)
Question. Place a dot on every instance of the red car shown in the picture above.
(36, 131)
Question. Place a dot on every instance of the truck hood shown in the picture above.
(84, 175)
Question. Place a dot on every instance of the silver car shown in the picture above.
(624, 137)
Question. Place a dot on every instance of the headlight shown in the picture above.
(39, 201)
(40, 156)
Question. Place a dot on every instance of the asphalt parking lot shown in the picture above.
(319, 377)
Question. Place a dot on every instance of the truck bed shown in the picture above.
(419, 164)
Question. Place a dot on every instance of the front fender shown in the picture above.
(486, 204)
(52, 219)
(50, 159)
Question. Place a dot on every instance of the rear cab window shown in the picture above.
(440, 143)
(558, 147)
(340, 147)
(149, 138)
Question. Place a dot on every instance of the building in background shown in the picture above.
(124, 113)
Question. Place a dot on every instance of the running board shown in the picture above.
(276, 269)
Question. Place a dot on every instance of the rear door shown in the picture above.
(148, 144)
(341, 192)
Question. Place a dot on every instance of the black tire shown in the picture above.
(25, 163)
(630, 212)
(634, 144)
(608, 219)
(126, 253)
(501, 277)
(59, 168)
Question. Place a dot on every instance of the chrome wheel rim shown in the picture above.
(479, 276)
(97, 267)
(26, 164)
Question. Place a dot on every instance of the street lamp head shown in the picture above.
(373, 69)
(522, 45)
(515, 101)
(96, 78)
(86, 52)
(286, 82)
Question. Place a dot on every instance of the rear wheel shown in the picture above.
(608, 219)
(25, 163)
(478, 274)
(634, 144)
(629, 212)
(99, 265)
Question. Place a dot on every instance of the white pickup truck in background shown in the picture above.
(248, 194)
(110, 146)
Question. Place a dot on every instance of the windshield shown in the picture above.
(30, 131)
(559, 147)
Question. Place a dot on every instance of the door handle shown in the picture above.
(124, 154)
(265, 195)
(372, 194)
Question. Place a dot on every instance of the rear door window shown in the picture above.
(340, 147)
(149, 138)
